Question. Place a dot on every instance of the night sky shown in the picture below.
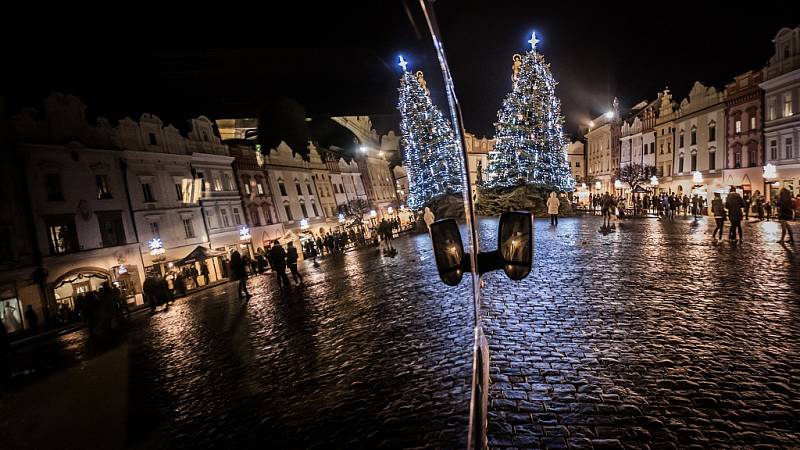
(342, 61)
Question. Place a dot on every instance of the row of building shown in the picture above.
(709, 142)
(85, 204)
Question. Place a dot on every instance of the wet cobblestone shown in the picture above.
(373, 353)
(649, 337)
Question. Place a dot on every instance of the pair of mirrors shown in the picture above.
(514, 252)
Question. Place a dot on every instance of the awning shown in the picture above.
(199, 254)
(639, 190)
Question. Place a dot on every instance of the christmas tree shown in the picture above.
(530, 147)
(430, 153)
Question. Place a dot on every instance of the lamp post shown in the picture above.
(618, 187)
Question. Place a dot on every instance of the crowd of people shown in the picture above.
(735, 208)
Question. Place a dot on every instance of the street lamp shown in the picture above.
(304, 224)
(156, 246)
(598, 185)
(618, 187)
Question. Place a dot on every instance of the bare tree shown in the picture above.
(635, 174)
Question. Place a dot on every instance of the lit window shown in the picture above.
(225, 222)
(237, 219)
(773, 149)
(260, 188)
(788, 148)
(101, 181)
(787, 105)
(752, 122)
(737, 126)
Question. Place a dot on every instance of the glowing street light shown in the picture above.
(390, 210)
(304, 224)
(363, 149)
(244, 234)
(617, 184)
(598, 185)
(610, 115)
(697, 178)
(373, 213)
(654, 181)
(770, 173)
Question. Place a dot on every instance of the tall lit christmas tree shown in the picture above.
(430, 153)
(530, 147)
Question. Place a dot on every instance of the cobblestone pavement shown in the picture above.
(373, 353)
(649, 337)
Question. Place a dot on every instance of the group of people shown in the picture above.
(278, 258)
(735, 209)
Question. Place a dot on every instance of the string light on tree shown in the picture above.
(529, 130)
(428, 145)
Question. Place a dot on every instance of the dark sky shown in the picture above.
(227, 61)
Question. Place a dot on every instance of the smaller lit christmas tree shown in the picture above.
(429, 149)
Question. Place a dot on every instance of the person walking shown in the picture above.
(747, 203)
(734, 204)
(552, 208)
(785, 213)
(695, 206)
(718, 210)
(277, 259)
(31, 318)
(239, 273)
(291, 261)
(685, 204)
(759, 201)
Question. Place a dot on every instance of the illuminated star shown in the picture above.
(403, 63)
(533, 41)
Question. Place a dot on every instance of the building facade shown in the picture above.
(257, 197)
(699, 128)
(781, 87)
(577, 161)
(292, 184)
(665, 139)
(744, 121)
(603, 149)
(83, 227)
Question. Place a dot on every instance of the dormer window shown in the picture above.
(152, 138)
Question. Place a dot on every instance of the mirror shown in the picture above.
(448, 249)
(515, 242)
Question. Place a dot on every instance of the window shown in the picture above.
(662, 148)
(217, 183)
(308, 188)
(61, 235)
(52, 187)
(773, 149)
(154, 229)
(680, 142)
(298, 188)
(228, 182)
(101, 182)
(314, 207)
(237, 219)
(680, 163)
(225, 222)
(577, 163)
(693, 136)
(787, 105)
(111, 229)
(335, 189)
(288, 210)
(771, 109)
(669, 147)
(179, 191)
(148, 193)
(712, 132)
(259, 187)
(205, 136)
(152, 137)
(788, 148)
(188, 228)
(737, 158)
(751, 155)
(282, 188)
(752, 122)
(246, 185)
(712, 159)
(737, 126)
(304, 210)
(341, 189)
(255, 217)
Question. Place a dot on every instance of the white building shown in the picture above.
(82, 222)
(577, 161)
(322, 182)
(781, 87)
(700, 143)
(292, 185)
